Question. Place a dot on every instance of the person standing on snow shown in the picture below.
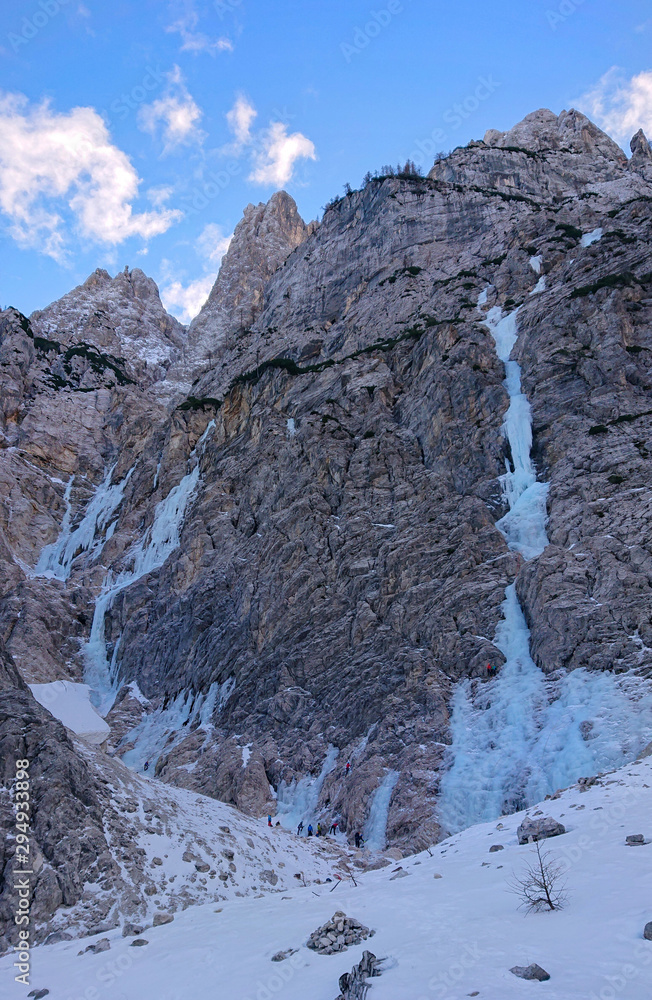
(300, 829)
(310, 829)
(358, 839)
(269, 820)
(334, 828)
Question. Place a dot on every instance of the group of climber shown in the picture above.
(492, 670)
(320, 831)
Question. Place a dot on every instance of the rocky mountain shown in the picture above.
(392, 449)
(263, 240)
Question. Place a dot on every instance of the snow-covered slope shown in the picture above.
(70, 703)
(174, 849)
(444, 937)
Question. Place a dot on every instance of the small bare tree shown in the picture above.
(541, 886)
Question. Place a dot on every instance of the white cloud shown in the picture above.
(52, 161)
(621, 106)
(277, 154)
(175, 112)
(240, 119)
(185, 300)
(197, 41)
(212, 244)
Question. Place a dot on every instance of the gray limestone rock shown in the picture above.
(539, 829)
(533, 971)
(339, 568)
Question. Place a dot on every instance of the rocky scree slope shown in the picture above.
(110, 848)
(339, 569)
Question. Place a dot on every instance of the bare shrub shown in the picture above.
(541, 886)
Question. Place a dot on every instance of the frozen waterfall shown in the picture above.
(298, 801)
(521, 736)
(149, 554)
(375, 829)
(55, 560)
(166, 727)
(524, 525)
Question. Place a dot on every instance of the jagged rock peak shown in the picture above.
(571, 131)
(123, 316)
(641, 160)
(263, 239)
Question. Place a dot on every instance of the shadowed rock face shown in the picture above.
(67, 842)
(339, 566)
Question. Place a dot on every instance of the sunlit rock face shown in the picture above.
(337, 566)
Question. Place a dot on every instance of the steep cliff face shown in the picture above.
(305, 564)
(261, 243)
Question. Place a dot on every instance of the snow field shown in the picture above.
(441, 937)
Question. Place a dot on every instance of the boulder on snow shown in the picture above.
(533, 971)
(162, 918)
(38, 994)
(138, 942)
(635, 840)
(539, 829)
(102, 945)
(496, 847)
(132, 930)
(647, 931)
(338, 934)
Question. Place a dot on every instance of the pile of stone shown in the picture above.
(338, 934)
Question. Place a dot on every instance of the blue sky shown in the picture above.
(134, 132)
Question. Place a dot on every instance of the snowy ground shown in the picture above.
(175, 849)
(442, 937)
